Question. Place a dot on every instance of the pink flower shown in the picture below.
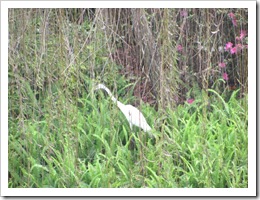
(190, 101)
(225, 76)
(184, 13)
(242, 34)
(237, 38)
(239, 47)
(233, 50)
(234, 21)
(179, 48)
(231, 15)
(228, 46)
(222, 64)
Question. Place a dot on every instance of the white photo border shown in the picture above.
(250, 191)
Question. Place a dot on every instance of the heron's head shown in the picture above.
(99, 86)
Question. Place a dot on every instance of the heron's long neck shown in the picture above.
(110, 94)
(118, 103)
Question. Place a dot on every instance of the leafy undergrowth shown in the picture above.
(203, 144)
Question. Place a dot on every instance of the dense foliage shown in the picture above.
(63, 134)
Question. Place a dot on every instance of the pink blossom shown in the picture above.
(233, 50)
(242, 34)
(239, 47)
(225, 76)
(234, 21)
(190, 101)
(222, 64)
(237, 38)
(231, 15)
(179, 48)
(228, 46)
(184, 13)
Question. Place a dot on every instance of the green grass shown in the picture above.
(197, 145)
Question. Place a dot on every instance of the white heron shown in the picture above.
(132, 114)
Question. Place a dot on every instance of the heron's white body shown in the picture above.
(132, 114)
